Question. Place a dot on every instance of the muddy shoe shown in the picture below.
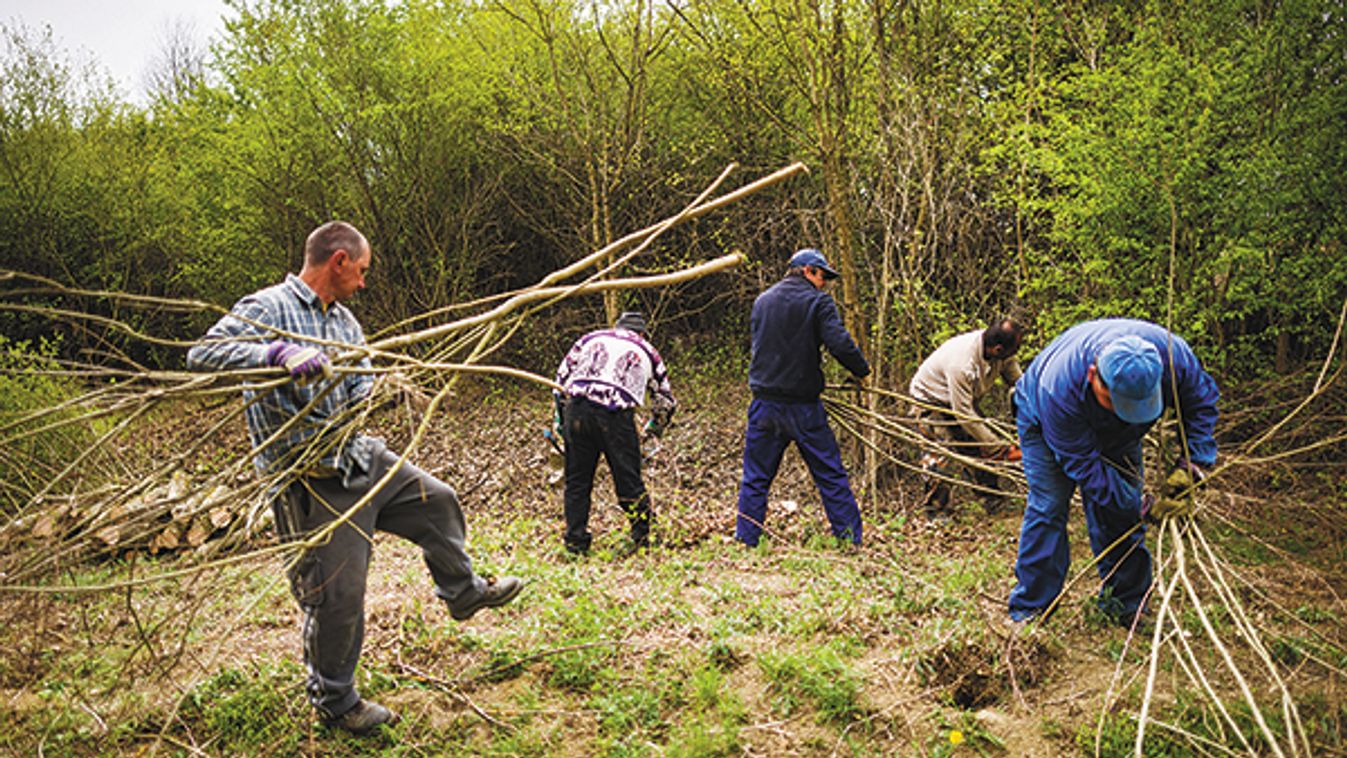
(498, 592)
(363, 718)
(938, 519)
(993, 504)
(1136, 622)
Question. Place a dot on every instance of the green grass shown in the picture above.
(802, 646)
(820, 678)
(248, 711)
(712, 721)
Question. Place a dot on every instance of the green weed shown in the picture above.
(581, 669)
(249, 712)
(624, 711)
(1314, 615)
(712, 728)
(1117, 739)
(821, 678)
(962, 735)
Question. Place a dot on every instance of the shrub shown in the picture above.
(35, 447)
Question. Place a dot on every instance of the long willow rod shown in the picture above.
(1320, 387)
(890, 427)
(484, 348)
(1191, 591)
(190, 384)
(533, 293)
(855, 419)
(1215, 576)
(696, 210)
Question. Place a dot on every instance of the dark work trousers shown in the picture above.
(772, 425)
(945, 428)
(329, 580)
(1045, 557)
(591, 429)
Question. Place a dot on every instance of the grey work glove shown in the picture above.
(303, 362)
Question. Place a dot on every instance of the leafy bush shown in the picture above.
(35, 448)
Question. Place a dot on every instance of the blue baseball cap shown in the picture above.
(811, 257)
(1131, 368)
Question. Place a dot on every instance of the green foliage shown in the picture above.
(39, 443)
(820, 678)
(1178, 163)
(1165, 158)
(250, 711)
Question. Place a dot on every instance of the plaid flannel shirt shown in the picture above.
(240, 340)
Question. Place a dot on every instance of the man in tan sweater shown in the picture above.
(947, 388)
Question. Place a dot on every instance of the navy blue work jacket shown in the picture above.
(790, 321)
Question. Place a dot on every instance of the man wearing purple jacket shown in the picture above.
(1082, 408)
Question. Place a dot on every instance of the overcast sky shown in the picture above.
(123, 36)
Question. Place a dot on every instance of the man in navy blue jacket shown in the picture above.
(1082, 409)
(790, 321)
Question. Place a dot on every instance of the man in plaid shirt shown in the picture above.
(299, 431)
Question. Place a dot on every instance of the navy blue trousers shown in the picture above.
(773, 425)
(1044, 555)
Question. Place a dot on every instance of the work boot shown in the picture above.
(936, 505)
(363, 718)
(1137, 622)
(993, 504)
(934, 492)
(498, 592)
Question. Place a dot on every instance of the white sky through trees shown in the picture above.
(123, 37)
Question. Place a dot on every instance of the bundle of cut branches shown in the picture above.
(897, 437)
(99, 497)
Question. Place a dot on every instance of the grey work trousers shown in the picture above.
(329, 580)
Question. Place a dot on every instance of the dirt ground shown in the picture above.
(941, 674)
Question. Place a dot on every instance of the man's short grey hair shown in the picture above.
(331, 237)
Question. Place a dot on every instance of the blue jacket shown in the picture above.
(1055, 395)
(790, 321)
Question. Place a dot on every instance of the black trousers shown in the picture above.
(329, 580)
(589, 430)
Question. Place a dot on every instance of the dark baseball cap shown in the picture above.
(811, 257)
